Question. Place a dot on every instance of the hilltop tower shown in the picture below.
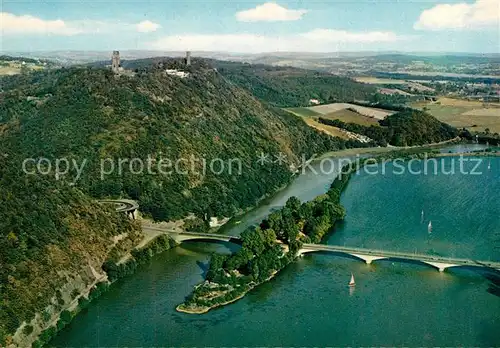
(188, 58)
(115, 61)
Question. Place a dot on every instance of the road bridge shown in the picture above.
(180, 237)
(367, 255)
(370, 255)
(123, 205)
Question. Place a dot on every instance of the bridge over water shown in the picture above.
(367, 255)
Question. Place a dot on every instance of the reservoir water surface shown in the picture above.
(309, 302)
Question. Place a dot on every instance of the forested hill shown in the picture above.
(291, 87)
(53, 241)
(278, 86)
(52, 232)
(93, 114)
(407, 127)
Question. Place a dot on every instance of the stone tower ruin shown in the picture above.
(115, 61)
(188, 58)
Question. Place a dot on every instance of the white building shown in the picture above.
(177, 73)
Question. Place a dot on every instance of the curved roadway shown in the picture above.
(123, 205)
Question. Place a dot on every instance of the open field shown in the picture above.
(379, 81)
(333, 131)
(8, 70)
(493, 112)
(349, 116)
(388, 81)
(330, 130)
(419, 87)
(363, 110)
(304, 112)
(473, 115)
(393, 91)
(13, 68)
(465, 103)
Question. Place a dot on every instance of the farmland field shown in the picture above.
(363, 110)
(388, 81)
(349, 116)
(379, 81)
(472, 115)
(465, 103)
(310, 117)
(304, 112)
(333, 131)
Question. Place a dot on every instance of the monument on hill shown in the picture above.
(115, 61)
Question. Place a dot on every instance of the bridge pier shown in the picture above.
(131, 213)
(439, 265)
(180, 237)
(368, 258)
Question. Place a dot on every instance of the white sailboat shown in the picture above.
(489, 165)
(422, 217)
(429, 227)
(352, 282)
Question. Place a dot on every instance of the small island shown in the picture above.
(268, 248)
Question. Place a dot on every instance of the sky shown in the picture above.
(251, 26)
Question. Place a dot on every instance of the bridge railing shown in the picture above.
(352, 250)
(385, 253)
(194, 234)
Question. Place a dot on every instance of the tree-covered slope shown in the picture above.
(415, 127)
(52, 231)
(292, 87)
(280, 86)
(51, 236)
(405, 128)
(93, 115)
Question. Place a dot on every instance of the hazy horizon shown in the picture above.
(252, 27)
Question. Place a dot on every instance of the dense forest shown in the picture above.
(293, 87)
(405, 128)
(50, 234)
(94, 115)
(52, 230)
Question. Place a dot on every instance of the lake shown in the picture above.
(309, 302)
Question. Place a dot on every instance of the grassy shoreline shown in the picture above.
(230, 278)
(194, 308)
(201, 310)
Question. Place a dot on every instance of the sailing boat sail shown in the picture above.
(429, 227)
(352, 282)
(489, 165)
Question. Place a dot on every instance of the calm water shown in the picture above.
(309, 303)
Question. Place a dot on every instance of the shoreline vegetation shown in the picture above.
(201, 310)
(114, 271)
(231, 277)
(268, 248)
